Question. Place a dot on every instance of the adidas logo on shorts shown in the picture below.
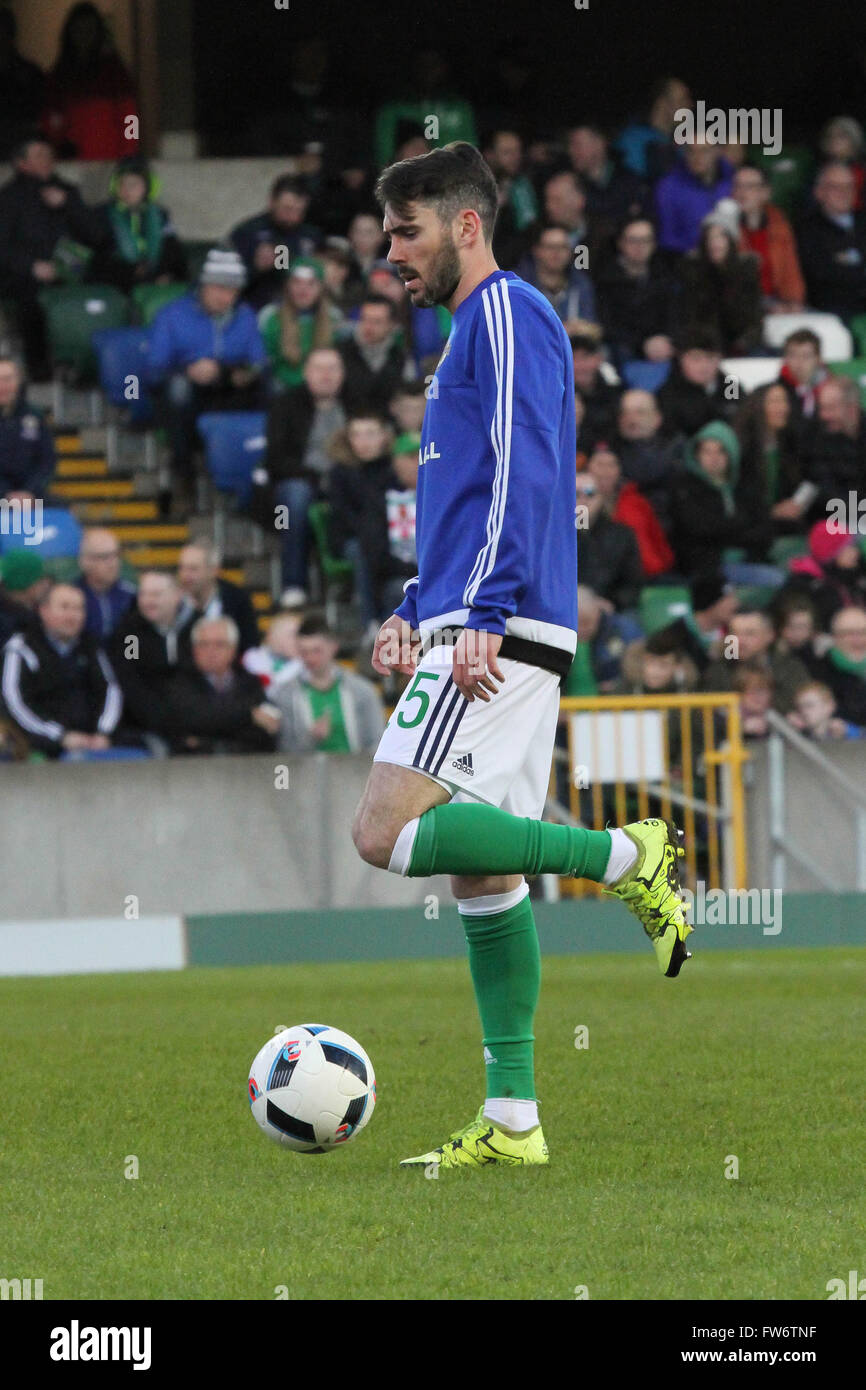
(464, 764)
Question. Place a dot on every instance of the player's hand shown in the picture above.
(475, 663)
(395, 648)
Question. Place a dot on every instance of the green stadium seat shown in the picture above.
(786, 548)
(333, 567)
(755, 595)
(149, 299)
(661, 604)
(857, 326)
(789, 173)
(73, 313)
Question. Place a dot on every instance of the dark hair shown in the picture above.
(802, 335)
(377, 299)
(698, 337)
(542, 227)
(287, 183)
(20, 148)
(409, 388)
(630, 221)
(315, 625)
(662, 643)
(584, 342)
(70, 63)
(453, 177)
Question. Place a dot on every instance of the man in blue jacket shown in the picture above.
(27, 459)
(206, 353)
(487, 631)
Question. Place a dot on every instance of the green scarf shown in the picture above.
(137, 232)
(844, 663)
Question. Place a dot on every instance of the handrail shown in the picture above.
(809, 751)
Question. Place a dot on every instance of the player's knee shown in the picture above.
(373, 841)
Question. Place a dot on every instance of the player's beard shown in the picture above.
(444, 277)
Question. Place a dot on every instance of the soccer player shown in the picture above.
(487, 630)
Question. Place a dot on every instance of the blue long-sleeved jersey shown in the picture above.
(495, 528)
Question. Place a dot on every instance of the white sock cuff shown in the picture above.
(492, 902)
(401, 854)
(623, 854)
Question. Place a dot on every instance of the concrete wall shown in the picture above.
(206, 197)
(189, 836)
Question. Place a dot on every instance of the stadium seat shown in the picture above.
(149, 299)
(333, 566)
(856, 370)
(73, 314)
(661, 604)
(789, 173)
(645, 376)
(755, 595)
(836, 342)
(752, 372)
(857, 326)
(234, 443)
(121, 354)
(787, 548)
(61, 536)
(105, 755)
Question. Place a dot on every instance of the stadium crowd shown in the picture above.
(663, 260)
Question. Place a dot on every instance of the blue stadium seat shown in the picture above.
(234, 443)
(61, 536)
(121, 353)
(104, 755)
(645, 376)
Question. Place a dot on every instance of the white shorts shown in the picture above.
(497, 751)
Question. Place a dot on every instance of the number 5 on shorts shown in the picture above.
(415, 693)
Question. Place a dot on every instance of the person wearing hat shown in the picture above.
(206, 353)
(141, 245)
(832, 575)
(23, 585)
(721, 285)
(282, 227)
(304, 319)
(711, 515)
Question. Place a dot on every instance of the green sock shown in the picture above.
(472, 838)
(506, 972)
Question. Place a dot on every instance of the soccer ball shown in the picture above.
(312, 1088)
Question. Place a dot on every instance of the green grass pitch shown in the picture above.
(750, 1054)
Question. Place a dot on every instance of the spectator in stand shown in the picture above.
(602, 636)
(766, 232)
(550, 268)
(607, 551)
(756, 690)
(39, 213)
(700, 633)
(107, 596)
(335, 257)
(428, 90)
(281, 226)
(367, 244)
(842, 142)
(772, 464)
(600, 398)
(373, 522)
(27, 459)
(711, 517)
(802, 374)
(374, 361)
(832, 239)
(686, 195)
(843, 667)
(305, 319)
(90, 95)
(141, 247)
(21, 87)
(150, 644)
(696, 392)
(276, 660)
(216, 706)
(832, 575)
(406, 407)
(518, 205)
(657, 665)
(565, 206)
(754, 633)
(814, 715)
(297, 463)
(649, 457)
(796, 619)
(213, 597)
(613, 195)
(646, 146)
(624, 504)
(58, 685)
(23, 585)
(636, 298)
(835, 444)
(327, 709)
(206, 353)
(721, 287)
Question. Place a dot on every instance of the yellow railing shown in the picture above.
(700, 786)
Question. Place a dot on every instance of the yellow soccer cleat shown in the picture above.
(651, 890)
(482, 1143)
